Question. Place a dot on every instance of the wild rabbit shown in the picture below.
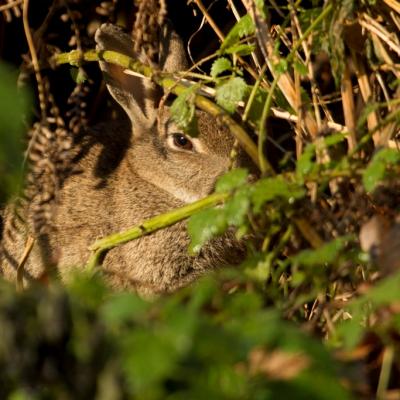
(128, 173)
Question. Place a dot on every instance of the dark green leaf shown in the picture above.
(300, 67)
(326, 254)
(375, 172)
(306, 162)
(268, 189)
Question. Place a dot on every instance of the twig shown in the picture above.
(384, 376)
(10, 5)
(221, 36)
(35, 62)
(20, 269)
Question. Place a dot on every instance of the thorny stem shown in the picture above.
(100, 247)
(167, 81)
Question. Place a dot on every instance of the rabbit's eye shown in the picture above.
(182, 141)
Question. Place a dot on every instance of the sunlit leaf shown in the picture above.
(244, 27)
(183, 111)
(230, 93)
(231, 180)
(219, 66)
(205, 225)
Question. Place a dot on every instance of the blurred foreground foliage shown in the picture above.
(83, 341)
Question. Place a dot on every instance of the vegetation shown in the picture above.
(310, 91)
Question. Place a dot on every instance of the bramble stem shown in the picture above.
(167, 81)
(151, 225)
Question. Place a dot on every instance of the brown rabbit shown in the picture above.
(128, 173)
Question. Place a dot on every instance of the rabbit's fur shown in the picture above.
(126, 175)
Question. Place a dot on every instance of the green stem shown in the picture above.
(151, 225)
(167, 81)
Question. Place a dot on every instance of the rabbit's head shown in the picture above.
(185, 167)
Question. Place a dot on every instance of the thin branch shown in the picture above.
(20, 268)
(35, 61)
(10, 5)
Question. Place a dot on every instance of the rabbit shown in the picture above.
(131, 170)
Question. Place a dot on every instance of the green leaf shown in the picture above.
(78, 75)
(241, 49)
(261, 8)
(237, 207)
(306, 163)
(383, 294)
(230, 93)
(334, 139)
(219, 66)
(375, 172)
(268, 189)
(300, 67)
(14, 105)
(326, 254)
(123, 307)
(281, 66)
(231, 180)
(205, 225)
(244, 27)
(183, 111)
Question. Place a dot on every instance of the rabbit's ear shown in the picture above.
(138, 96)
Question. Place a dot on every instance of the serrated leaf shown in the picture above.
(230, 93)
(326, 254)
(231, 180)
(219, 66)
(376, 169)
(241, 49)
(205, 225)
(183, 111)
(244, 27)
(236, 208)
(269, 189)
